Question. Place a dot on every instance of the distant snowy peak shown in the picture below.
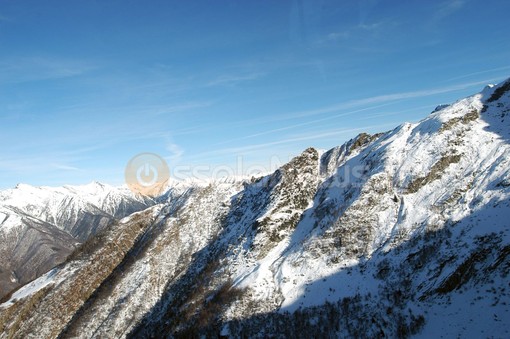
(40, 226)
(45, 202)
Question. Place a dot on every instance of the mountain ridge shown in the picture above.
(40, 226)
(398, 234)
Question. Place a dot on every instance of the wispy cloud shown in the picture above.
(41, 68)
(448, 8)
(390, 113)
(373, 26)
(230, 80)
(304, 137)
(175, 151)
(504, 68)
(379, 99)
(338, 35)
(177, 108)
(131, 128)
(341, 110)
(307, 123)
(64, 167)
(37, 163)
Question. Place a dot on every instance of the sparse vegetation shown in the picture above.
(435, 173)
(60, 303)
(465, 119)
(355, 317)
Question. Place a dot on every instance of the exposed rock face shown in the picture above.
(398, 234)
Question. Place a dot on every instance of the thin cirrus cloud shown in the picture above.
(338, 35)
(448, 8)
(306, 123)
(390, 113)
(178, 108)
(417, 94)
(392, 97)
(40, 68)
(118, 132)
(371, 100)
(304, 137)
(379, 102)
(64, 167)
(29, 163)
(360, 28)
(498, 69)
(379, 99)
(226, 80)
(375, 102)
(375, 26)
(167, 83)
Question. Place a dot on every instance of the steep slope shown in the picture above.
(60, 293)
(397, 234)
(40, 226)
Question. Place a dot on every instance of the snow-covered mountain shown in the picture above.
(40, 226)
(403, 233)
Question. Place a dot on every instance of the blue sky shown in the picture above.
(86, 85)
